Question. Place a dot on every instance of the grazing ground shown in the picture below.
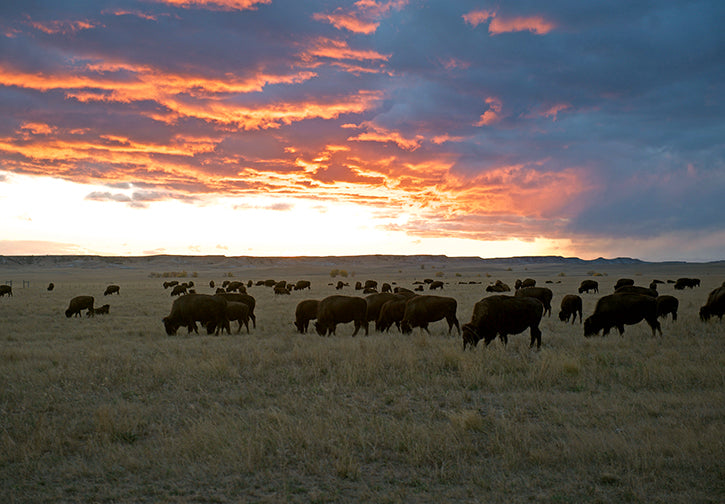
(111, 409)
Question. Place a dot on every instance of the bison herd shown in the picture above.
(495, 315)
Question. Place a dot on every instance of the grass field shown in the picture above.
(110, 409)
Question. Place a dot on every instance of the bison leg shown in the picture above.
(620, 328)
(453, 321)
(254, 320)
(535, 337)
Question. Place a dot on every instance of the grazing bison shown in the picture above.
(543, 294)
(269, 283)
(369, 290)
(51, 286)
(635, 289)
(192, 308)
(236, 286)
(211, 284)
(419, 288)
(622, 282)
(715, 304)
(588, 285)
(6, 289)
(689, 283)
(503, 315)
(403, 290)
(571, 304)
(334, 310)
(306, 310)
(103, 310)
(422, 310)
(666, 305)
(435, 285)
(386, 288)
(172, 283)
(375, 302)
(281, 289)
(242, 298)
(618, 310)
(392, 312)
(303, 284)
(528, 282)
(79, 303)
(112, 289)
(498, 286)
(358, 286)
(239, 312)
(178, 290)
(341, 284)
(370, 284)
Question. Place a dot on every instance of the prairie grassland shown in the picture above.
(110, 409)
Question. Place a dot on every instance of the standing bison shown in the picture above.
(588, 285)
(239, 312)
(112, 289)
(422, 310)
(241, 298)
(715, 304)
(375, 302)
(79, 303)
(437, 284)
(667, 305)
(334, 310)
(6, 289)
(622, 282)
(498, 286)
(689, 283)
(192, 308)
(303, 284)
(306, 310)
(618, 310)
(503, 315)
(571, 304)
(543, 294)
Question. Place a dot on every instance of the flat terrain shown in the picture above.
(111, 409)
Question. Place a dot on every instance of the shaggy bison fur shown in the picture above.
(306, 310)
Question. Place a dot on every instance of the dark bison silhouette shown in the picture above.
(334, 310)
(503, 315)
(622, 282)
(571, 304)
(715, 304)
(303, 284)
(689, 283)
(636, 289)
(618, 310)
(242, 298)
(588, 285)
(304, 312)
(667, 305)
(112, 289)
(543, 294)
(79, 303)
(192, 308)
(6, 289)
(422, 310)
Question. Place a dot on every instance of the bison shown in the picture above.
(239, 312)
(242, 298)
(498, 286)
(178, 290)
(635, 289)
(103, 310)
(281, 289)
(386, 288)
(6, 289)
(392, 312)
(112, 289)
(588, 285)
(79, 303)
(341, 284)
(622, 282)
(375, 301)
(334, 310)
(435, 285)
(370, 284)
(51, 286)
(667, 305)
(618, 310)
(689, 283)
(503, 315)
(187, 310)
(306, 310)
(543, 294)
(715, 304)
(236, 286)
(303, 284)
(172, 283)
(571, 304)
(422, 310)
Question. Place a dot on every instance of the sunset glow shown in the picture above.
(267, 127)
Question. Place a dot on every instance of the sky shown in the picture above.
(319, 127)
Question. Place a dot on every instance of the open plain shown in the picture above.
(111, 409)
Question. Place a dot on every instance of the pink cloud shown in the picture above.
(500, 24)
(492, 115)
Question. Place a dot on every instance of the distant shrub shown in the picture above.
(343, 273)
(334, 272)
(439, 274)
(458, 275)
(562, 274)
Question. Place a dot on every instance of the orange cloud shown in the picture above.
(349, 22)
(499, 24)
(492, 115)
(338, 49)
(62, 27)
(361, 19)
(379, 134)
(224, 5)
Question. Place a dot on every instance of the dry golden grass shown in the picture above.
(112, 410)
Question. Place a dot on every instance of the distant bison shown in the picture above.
(715, 304)
(341, 284)
(667, 305)
(370, 284)
(51, 286)
(435, 285)
(369, 290)
(172, 283)
(571, 304)
(178, 290)
(588, 285)
(303, 284)
(79, 303)
(6, 289)
(498, 286)
(212, 284)
(192, 308)
(622, 282)
(112, 289)
(503, 315)
(334, 310)
(635, 289)
(281, 290)
(543, 294)
(386, 288)
(103, 310)
(236, 286)
(689, 283)
(306, 310)
(422, 310)
(242, 298)
(618, 310)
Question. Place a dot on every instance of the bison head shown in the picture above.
(68, 313)
(591, 326)
(321, 328)
(470, 335)
(705, 313)
(405, 327)
(563, 316)
(170, 326)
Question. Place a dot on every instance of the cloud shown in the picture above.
(501, 24)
